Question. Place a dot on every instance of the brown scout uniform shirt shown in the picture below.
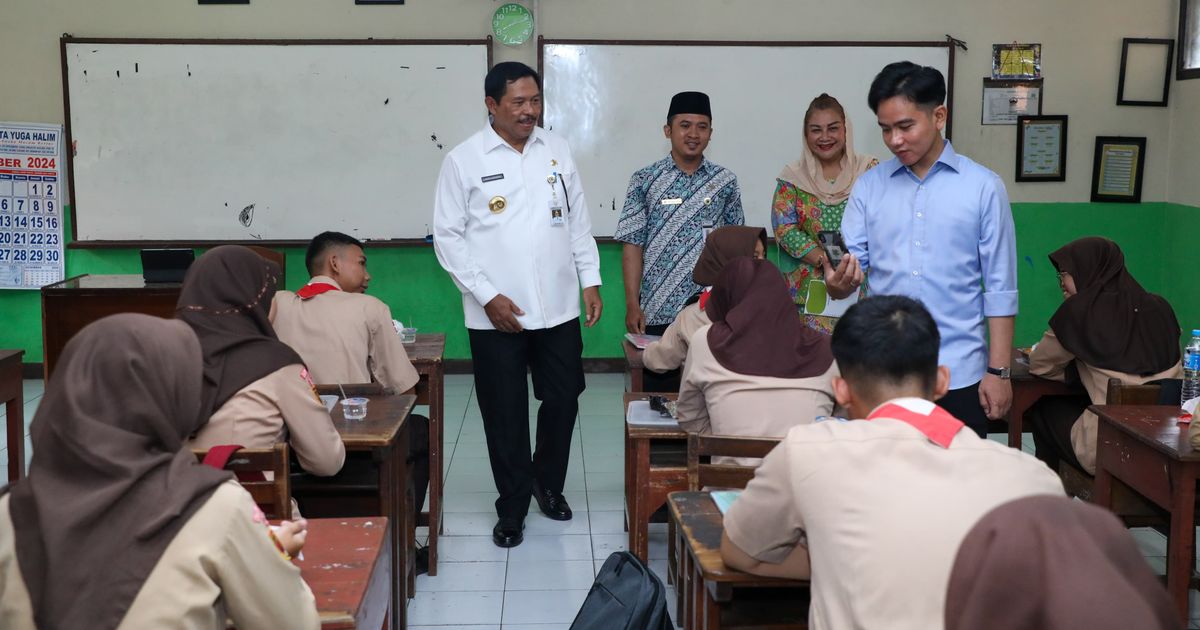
(221, 564)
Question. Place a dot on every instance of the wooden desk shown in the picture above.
(647, 482)
(426, 356)
(633, 367)
(712, 588)
(12, 394)
(70, 305)
(1027, 389)
(1147, 449)
(381, 438)
(346, 566)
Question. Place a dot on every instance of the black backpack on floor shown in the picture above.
(626, 594)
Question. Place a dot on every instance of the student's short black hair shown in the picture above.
(922, 85)
(887, 339)
(495, 84)
(321, 244)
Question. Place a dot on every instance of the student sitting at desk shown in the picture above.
(346, 336)
(723, 245)
(256, 389)
(117, 524)
(1107, 327)
(873, 510)
(757, 370)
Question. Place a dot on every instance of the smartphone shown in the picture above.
(835, 248)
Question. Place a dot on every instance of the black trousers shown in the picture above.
(665, 381)
(554, 357)
(418, 458)
(963, 403)
(1050, 420)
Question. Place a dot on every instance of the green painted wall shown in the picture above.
(1154, 237)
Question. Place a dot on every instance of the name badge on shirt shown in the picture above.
(671, 202)
(556, 213)
(492, 178)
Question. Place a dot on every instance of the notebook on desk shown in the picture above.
(166, 265)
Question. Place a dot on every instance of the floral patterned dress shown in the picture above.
(796, 217)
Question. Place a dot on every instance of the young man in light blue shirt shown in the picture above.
(936, 226)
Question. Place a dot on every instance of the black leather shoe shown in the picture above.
(508, 532)
(553, 504)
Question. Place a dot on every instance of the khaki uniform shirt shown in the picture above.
(882, 510)
(279, 407)
(1050, 360)
(669, 352)
(714, 399)
(221, 564)
(344, 337)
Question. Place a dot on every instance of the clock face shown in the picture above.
(512, 24)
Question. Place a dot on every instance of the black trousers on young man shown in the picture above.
(963, 403)
(554, 357)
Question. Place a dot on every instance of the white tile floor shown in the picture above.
(540, 584)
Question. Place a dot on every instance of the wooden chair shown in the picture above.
(702, 473)
(272, 255)
(1130, 508)
(273, 496)
(702, 448)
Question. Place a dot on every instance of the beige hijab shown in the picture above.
(806, 175)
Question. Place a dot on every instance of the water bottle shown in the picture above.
(1191, 368)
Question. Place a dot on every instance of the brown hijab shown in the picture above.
(110, 484)
(1050, 562)
(755, 328)
(725, 244)
(1112, 322)
(226, 299)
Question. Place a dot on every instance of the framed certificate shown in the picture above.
(1005, 100)
(1016, 61)
(1041, 149)
(1117, 169)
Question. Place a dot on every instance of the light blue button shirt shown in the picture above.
(948, 241)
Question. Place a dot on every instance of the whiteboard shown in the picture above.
(245, 140)
(609, 100)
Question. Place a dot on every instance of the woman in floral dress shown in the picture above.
(810, 196)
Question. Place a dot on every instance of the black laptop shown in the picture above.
(166, 265)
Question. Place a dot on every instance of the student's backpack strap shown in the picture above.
(218, 457)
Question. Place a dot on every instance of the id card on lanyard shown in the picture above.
(557, 218)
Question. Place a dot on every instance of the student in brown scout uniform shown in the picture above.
(256, 389)
(346, 336)
(757, 371)
(723, 245)
(117, 525)
(874, 510)
(1107, 327)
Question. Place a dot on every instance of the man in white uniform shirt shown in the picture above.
(511, 228)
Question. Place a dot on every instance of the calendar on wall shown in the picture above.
(31, 219)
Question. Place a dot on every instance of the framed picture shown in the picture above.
(1189, 40)
(1145, 71)
(1041, 149)
(1005, 100)
(1117, 169)
(1016, 61)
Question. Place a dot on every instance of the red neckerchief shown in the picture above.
(704, 297)
(314, 289)
(938, 425)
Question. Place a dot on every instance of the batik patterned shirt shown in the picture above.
(668, 213)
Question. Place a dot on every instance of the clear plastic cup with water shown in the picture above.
(408, 334)
(354, 408)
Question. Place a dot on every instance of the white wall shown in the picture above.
(1081, 53)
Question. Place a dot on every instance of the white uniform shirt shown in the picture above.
(518, 252)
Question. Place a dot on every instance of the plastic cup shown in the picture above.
(354, 408)
(408, 335)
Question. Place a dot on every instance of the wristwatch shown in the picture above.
(1003, 373)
